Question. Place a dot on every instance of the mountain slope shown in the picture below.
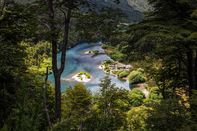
(132, 14)
(128, 7)
(141, 5)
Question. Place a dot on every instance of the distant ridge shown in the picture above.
(132, 13)
(131, 8)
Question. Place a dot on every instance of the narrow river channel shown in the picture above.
(77, 60)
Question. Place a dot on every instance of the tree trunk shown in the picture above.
(53, 37)
(57, 75)
(177, 78)
(191, 70)
(163, 92)
(195, 70)
(81, 126)
(57, 98)
(45, 100)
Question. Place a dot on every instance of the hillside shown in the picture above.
(141, 5)
(131, 9)
(133, 14)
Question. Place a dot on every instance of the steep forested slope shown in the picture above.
(126, 6)
(132, 14)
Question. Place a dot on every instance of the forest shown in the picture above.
(98, 65)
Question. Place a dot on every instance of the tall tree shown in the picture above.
(76, 107)
(112, 103)
(57, 71)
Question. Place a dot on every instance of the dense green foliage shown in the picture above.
(21, 91)
(117, 109)
(136, 77)
(123, 74)
(135, 97)
(170, 46)
(168, 114)
(111, 104)
(164, 45)
(76, 108)
(154, 94)
(84, 111)
(136, 118)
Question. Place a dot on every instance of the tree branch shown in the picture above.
(65, 41)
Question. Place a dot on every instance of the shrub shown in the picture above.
(140, 70)
(108, 62)
(107, 69)
(104, 46)
(81, 73)
(115, 72)
(88, 75)
(95, 52)
(136, 97)
(84, 73)
(118, 56)
(154, 94)
(123, 74)
(136, 77)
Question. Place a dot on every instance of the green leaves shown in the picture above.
(76, 105)
(136, 118)
(123, 74)
(136, 77)
(111, 104)
(167, 115)
(136, 97)
(173, 8)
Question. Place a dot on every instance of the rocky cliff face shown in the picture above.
(141, 5)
